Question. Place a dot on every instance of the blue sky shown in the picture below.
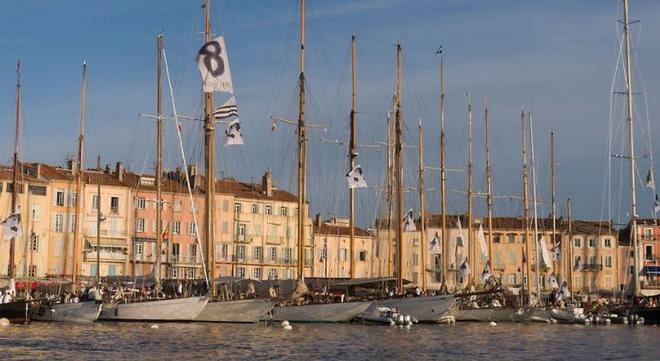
(555, 58)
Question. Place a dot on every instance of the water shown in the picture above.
(179, 341)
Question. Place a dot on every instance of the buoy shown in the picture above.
(492, 323)
(287, 328)
(285, 323)
(155, 326)
(4, 322)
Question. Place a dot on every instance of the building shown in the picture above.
(648, 240)
(594, 257)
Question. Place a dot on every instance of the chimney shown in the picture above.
(120, 171)
(71, 164)
(108, 170)
(37, 169)
(192, 174)
(317, 221)
(267, 183)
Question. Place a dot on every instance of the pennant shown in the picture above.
(355, 178)
(434, 245)
(552, 281)
(12, 226)
(563, 292)
(213, 65)
(482, 242)
(227, 110)
(409, 222)
(486, 274)
(233, 134)
(650, 182)
(656, 205)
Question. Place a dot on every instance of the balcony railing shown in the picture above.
(592, 267)
(184, 259)
(115, 256)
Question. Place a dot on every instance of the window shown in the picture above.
(174, 272)
(288, 253)
(323, 254)
(176, 251)
(289, 273)
(577, 243)
(59, 198)
(225, 227)
(139, 225)
(224, 251)
(415, 259)
(95, 201)
(648, 252)
(511, 237)
(191, 229)
(362, 255)
(343, 254)
(257, 273)
(648, 233)
(592, 261)
(592, 243)
(192, 252)
(112, 270)
(240, 252)
(36, 212)
(190, 273)
(577, 261)
(273, 274)
(237, 208)
(72, 222)
(74, 199)
(269, 210)
(59, 222)
(32, 270)
(284, 211)
(225, 205)
(497, 237)
(511, 278)
(176, 227)
(177, 206)
(241, 231)
(114, 205)
(240, 272)
(308, 256)
(607, 243)
(255, 210)
(608, 261)
(258, 253)
(34, 243)
(140, 203)
(139, 250)
(272, 254)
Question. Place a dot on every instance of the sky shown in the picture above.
(555, 59)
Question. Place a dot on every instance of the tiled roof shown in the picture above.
(252, 191)
(338, 230)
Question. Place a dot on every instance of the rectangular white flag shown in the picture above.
(213, 65)
(12, 226)
(409, 222)
(355, 178)
(233, 134)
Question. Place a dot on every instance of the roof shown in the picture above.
(339, 230)
(252, 191)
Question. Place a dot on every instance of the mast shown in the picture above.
(570, 247)
(631, 143)
(98, 222)
(14, 193)
(471, 247)
(554, 196)
(79, 170)
(352, 155)
(159, 160)
(209, 160)
(489, 185)
(422, 212)
(398, 169)
(525, 203)
(536, 221)
(443, 170)
(302, 148)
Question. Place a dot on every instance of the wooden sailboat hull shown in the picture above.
(239, 311)
(427, 309)
(325, 312)
(16, 312)
(175, 309)
(500, 314)
(69, 312)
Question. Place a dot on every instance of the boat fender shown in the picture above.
(288, 328)
(4, 322)
(155, 327)
(392, 323)
(492, 323)
(285, 323)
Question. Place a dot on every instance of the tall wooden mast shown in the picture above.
(422, 212)
(554, 199)
(14, 194)
(471, 246)
(631, 148)
(79, 169)
(443, 170)
(570, 246)
(302, 148)
(159, 160)
(537, 241)
(525, 203)
(352, 154)
(99, 218)
(489, 186)
(390, 191)
(209, 160)
(398, 169)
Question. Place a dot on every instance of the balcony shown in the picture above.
(178, 259)
(592, 267)
(105, 256)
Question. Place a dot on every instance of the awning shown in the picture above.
(652, 270)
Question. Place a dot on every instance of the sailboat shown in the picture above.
(156, 309)
(327, 312)
(11, 308)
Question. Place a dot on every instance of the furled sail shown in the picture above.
(482, 242)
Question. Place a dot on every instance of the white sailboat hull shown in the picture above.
(69, 312)
(325, 312)
(239, 311)
(175, 309)
(428, 309)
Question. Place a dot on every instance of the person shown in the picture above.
(271, 292)
(418, 291)
(179, 289)
(251, 291)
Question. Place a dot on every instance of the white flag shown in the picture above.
(545, 254)
(578, 265)
(233, 134)
(552, 282)
(213, 65)
(486, 274)
(482, 242)
(563, 292)
(12, 226)
(227, 110)
(463, 271)
(355, 178)
(461, 243)
(409, 222)
(434, 245)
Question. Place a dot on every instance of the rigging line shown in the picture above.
(376, 41)
(177, 125)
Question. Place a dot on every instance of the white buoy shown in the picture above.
(285, 323)
(4, 322)
(492, 323)
(155, 326)
(288, 328)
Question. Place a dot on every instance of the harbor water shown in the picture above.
(467, 341)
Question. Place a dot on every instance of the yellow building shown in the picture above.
(594, 246)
